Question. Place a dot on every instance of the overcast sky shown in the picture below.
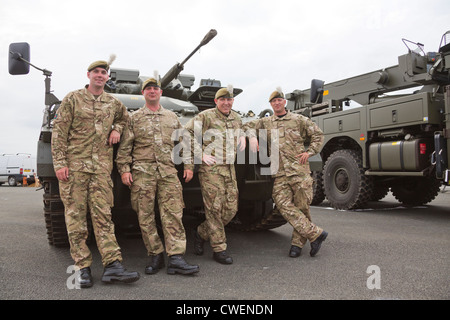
(260, 45)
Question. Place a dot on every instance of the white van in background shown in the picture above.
(14, 167)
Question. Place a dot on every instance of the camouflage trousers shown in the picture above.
(292, 196)
(170, 201)
(220, 198)
(93, 192)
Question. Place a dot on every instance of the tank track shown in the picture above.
(54, 214)
(256, 217)
(262, 216)
(55, 222)
(271, 221)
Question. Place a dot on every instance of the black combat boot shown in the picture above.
(222, 257)
(198, 243)
(295, 252)
(115, 272)
(84, 278)
(156, 262)
(315, 245)
(177, 264)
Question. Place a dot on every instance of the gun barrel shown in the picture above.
(208, 37)
(171, 74)
(178, 67)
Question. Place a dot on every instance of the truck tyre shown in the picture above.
(416, 191)
(379, 192)
(318, 194)
(12, 181)
(345, 185)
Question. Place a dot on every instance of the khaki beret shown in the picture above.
(225, 92)
(100, 63)
(276, 94)
(151, 82)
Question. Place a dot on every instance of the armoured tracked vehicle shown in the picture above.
(392, 141)
(256, 210)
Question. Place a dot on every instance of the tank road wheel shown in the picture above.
(345, 185)
(318, 194)
(256, 215)
(416, 191)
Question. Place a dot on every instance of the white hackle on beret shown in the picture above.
(230, 89)
(112, 57)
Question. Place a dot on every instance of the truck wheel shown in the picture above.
(345, 185)
(379, 192)
(12, 181)
(318, 194)
(416, 191)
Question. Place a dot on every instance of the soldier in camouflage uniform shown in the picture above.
(292, 189)
(82, 150)
(145, 163)
(220, 130)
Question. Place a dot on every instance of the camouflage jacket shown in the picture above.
(292, 131)
(147, 144)
(219, 136)
(81, 129)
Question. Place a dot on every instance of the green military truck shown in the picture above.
(398, 141)
(256, 209)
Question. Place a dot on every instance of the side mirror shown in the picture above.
(19, 57)
(316, 91)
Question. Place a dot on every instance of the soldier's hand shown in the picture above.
(127, 179)
(242, 143)
(63, 174)
(209, 160)
(303, 157)
(254, 146)
(114, 137)
(188, 174)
